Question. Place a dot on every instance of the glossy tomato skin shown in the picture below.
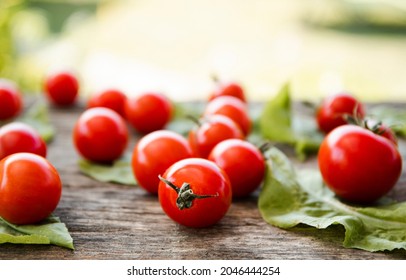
(100, 135)
(62, 88)
(156, 152)
(18, 137)
(205, 178)
(212, 130)
(229, 89)
(30, 188)
(148, 112)
(233, 108)
(243, 163)
(110, 98)
(331, 113)
(358, 165)
(10, 100)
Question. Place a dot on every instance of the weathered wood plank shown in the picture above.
(109, 221)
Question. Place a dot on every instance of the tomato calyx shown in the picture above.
(186, 196)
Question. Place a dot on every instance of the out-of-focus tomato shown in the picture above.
(10, 100)
(110, 98)
(100, 135)
(30, 188)
(61, 88)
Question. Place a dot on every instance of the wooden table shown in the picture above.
(109, 221)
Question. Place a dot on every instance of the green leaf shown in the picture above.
(393, 117)
(291, 197)
(278, 124)
(50, 231)
(119, 172)
(37, 117)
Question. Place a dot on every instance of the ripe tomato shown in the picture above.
(100, 135)
(62, 88)
(10, 100)
(18, 137)
(154, 153)
(228, 89)
(110, 98)
(231, 107)
(243, 163)
(331, 113)
(195, 192)
(212, 130)
(148, 112)
(30, 188)
(358, 165)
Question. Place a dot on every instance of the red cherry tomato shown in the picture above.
(231, 107)
(331, 113)
(110, 98)
(100, 135)
(10, 100)
(228, 89)
(62, 88)
(154, 153)
(30, 188)
(212, 130)
(358, 165)
(148, 112)
(243, 163)
(195, 192)
(19, 137)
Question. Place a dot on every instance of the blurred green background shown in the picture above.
(320, 46)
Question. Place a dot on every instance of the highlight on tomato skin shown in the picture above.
(17, 137)
(30, 188)
(358, 165)
(11, 101)
(200, 195)
(332, 111)
(156, 152)
(61, 87)
(100, 135)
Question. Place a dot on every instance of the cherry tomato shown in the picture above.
(228, 89)
(195, 192)
(243, 163)
(62, 88)
(148, 112)
(332, 111)
(100, 135)
(154, 153)
(18, 137)
(10, 100)
(30, 188)
(212, 130)
(358, 165)
(110, 98)
(231, 107)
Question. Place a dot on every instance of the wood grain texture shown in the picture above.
(109, 221)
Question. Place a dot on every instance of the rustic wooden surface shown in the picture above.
(109, 221)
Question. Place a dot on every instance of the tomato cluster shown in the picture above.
(359, 159)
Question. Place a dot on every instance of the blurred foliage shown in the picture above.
(359, 16)
(8, 8)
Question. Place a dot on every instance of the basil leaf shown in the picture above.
(291, 197)
(50, 231)
(119, 172)
(278, 124)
